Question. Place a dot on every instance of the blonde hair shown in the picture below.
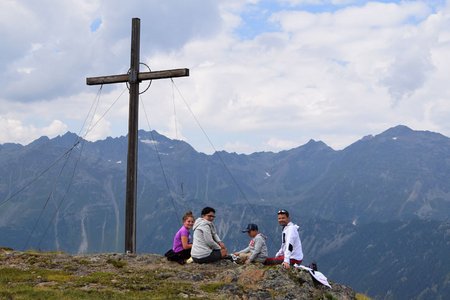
(187, 215)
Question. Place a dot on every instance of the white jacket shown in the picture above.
(291, 246)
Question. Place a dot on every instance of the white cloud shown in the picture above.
(55, 128)
(14, 131)
(409, 69)
(322, 75)
(238, 147)
(331, 75)
(99, 128)
(69, 51)
(304, 2)
(279, 144)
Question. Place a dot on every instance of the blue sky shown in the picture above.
(256, 16)
(265, 75)
(95, 25)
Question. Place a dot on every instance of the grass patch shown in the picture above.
(73, 294)
(212, 287)
(138, 285)
(82, 261)
(103, 278)
(69, 267)
(31, 284)
(39, 253)
(6, 248)
(362, 297)
(329, 296)
(10, 275)
(117, 263)
(59, 277)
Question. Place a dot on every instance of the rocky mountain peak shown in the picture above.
(59, 275)
(399, 130)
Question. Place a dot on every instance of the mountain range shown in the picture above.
(374, 215)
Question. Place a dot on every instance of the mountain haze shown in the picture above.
(373, 214)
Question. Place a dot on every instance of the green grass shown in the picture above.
(53, 284)
(117, 263)
(329, 296)
(10, 275)
(6, 248)
(362, 297)
(82, 261)
(103, 278)
(39, 253)
(211, 287)
(25, 292)
(52, 294)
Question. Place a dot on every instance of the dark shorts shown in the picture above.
(214, 256)
(179, 257)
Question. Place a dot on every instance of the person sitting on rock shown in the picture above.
(291, 251)
(257, 248)
(182, 242)
(207, 247)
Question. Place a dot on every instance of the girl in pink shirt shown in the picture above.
(182, 242)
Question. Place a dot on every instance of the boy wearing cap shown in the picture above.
(257, 248)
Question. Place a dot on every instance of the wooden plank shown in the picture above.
(142, 76)
(107, 79)
(132, 156)
(163, 74)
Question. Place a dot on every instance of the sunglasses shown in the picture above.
(210, 216)
(282, 211)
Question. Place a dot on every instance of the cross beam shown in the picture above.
(134, 77)
(141, 76)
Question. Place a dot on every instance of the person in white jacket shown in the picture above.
(291, 251)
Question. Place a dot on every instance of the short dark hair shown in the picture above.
(283, 212)
(207, 210)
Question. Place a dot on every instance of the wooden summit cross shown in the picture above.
(134, 77)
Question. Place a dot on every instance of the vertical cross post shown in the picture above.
(133, 126)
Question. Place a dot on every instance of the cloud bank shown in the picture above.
(265, 75)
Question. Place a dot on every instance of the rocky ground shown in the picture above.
(44, 275)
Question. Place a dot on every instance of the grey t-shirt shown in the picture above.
(257, 247)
